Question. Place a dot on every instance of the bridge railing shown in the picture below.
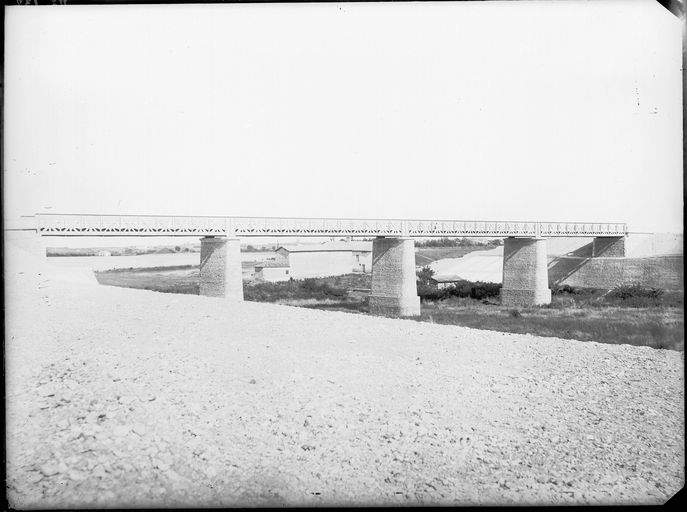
(149, 225)
(547, 229)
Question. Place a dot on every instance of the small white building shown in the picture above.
(104, 253)
(272, 271)
(327, 259)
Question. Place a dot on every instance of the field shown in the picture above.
(585, 316)
(657, 327)
(178, 279)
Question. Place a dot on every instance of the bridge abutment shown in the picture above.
(394, 284)
(608, 246)
(525, 273)
(220, 268)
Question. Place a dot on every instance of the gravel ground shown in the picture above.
(119, 397)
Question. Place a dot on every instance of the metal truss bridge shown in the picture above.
(165, 225)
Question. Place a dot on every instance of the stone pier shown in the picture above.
(220, 268)
(394, 284)
(525, 273)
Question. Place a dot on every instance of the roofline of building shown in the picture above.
(323, 249)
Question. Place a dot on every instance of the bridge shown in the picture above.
(167, 225)
(394, 292)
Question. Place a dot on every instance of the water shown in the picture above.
(145, 260)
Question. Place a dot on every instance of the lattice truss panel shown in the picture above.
(141, 225)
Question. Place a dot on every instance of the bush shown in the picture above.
(636, 290)
(475, 290)
(428, 290)
(514, 313)
(566, 289)
(557, 289)
(483, 290)
(636, 296)
(426, 287)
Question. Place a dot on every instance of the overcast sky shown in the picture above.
(469, 110)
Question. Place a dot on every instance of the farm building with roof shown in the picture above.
(317, 260)
(272, 270)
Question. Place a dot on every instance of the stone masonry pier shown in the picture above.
(394, 284)
(525, 276)
(525, 268)
(220, 267)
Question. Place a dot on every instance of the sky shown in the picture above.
(549, 111)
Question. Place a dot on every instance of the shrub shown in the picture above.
(557, 289)
(427, 288)
(429, 292)
(483, 290)
(514, 313)
(636, 290)
(475, 290)
(462, 289)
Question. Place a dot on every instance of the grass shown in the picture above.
(657, 327)
(177, 279)
(654, 320)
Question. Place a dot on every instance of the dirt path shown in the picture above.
(120, 397)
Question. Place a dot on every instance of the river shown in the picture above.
(146, 260)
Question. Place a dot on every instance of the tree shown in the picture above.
(424, 276)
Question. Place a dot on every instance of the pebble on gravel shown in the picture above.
(46, 390)
(140, 429)
(76, 475)
(160, 465)
(34, 477)
(121, 430)
(49, 469)
(99, 471)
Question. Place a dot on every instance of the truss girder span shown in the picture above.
(141, 225)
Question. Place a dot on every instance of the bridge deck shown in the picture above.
(161, 225)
